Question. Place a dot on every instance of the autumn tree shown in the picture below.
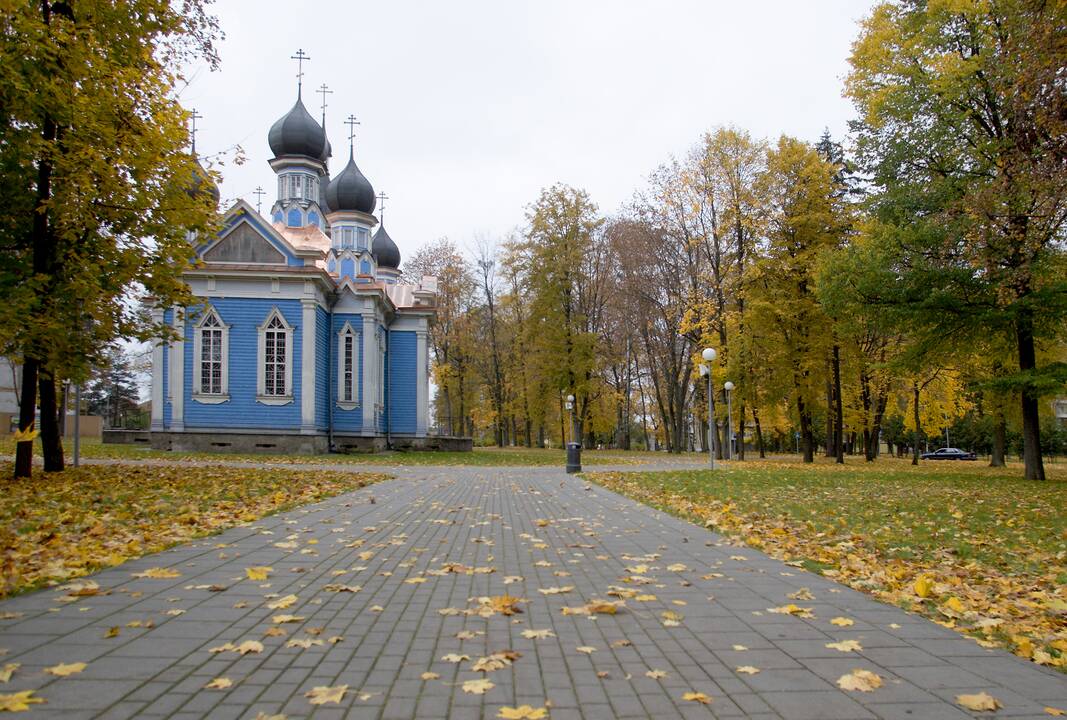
(93, 160)
(451, 334)
(803, 224)
(560, 258)
(963, 127)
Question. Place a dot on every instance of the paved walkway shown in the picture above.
(373, 617)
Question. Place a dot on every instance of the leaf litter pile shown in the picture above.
(58, 526)
(975, 549)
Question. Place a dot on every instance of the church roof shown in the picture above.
(350, 190)
(385, 250)
(308, 236)
(297, 133)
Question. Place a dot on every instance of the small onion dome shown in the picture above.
(351, 190)
(201, 182)
(297, 133)
(385, 250)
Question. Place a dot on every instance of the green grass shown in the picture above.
(515, 457)
(971, 511)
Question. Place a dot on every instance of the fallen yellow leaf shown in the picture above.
(860, 680)
(18, 702)
(979, 701)
(219, 683)
(478, 687)
(62, 670)
(258, 572)
(158, 573)
(522, 712)
(697, 697)
(325, 694)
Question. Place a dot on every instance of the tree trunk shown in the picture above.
(831, 447)
(915, 417)
(51, 446)
(27, 415)
(741, 435)
(839, 424)
(807, 437)
(999, 433)
(759, 435)
(1034, 468)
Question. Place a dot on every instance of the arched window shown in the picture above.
(211, 351)
(347, 368)
(274, 384)
(294, 219)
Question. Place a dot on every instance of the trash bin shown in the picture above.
(574, 457)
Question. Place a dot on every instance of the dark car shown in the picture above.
(949, 454)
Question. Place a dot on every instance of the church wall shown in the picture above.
(346, 420)
(244, 316)
(403, 382)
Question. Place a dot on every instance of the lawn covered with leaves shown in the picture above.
(482, 456)
(62, 525)
(975, 548)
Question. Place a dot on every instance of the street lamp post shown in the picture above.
(709, 357)
(729, 387)
(574, 447)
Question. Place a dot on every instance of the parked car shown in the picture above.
(949, 454)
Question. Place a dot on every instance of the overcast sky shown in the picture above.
(468, 109)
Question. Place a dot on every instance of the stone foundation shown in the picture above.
(281, 443)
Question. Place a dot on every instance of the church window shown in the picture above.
(294, 219)
(361, 238)
(347, 366)
(275, 381)
(309, 187)
(295, 183)
(211, 351)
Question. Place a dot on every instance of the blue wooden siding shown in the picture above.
(322, 368)
(401, 382)
(346, 420)
(244, 316)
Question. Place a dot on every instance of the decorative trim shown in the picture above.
(177, 372)
(198, 382)
(347, 332)
(210, 399)
(308, 365)
(261, 363)
(274, 399)
(157, 375)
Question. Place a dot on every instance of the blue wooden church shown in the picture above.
(307, 338)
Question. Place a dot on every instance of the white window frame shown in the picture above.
(261, 361)
(198, 395)
(347, 333)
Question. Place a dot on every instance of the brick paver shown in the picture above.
(551, 530)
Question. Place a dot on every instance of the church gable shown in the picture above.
(244, 245)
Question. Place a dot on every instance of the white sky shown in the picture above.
(469, 108)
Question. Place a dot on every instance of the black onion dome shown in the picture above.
(201, 182)
(385, 250)
(327, 152)
(351, 190)
(297, 133)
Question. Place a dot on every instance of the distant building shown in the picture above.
(306, 332)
